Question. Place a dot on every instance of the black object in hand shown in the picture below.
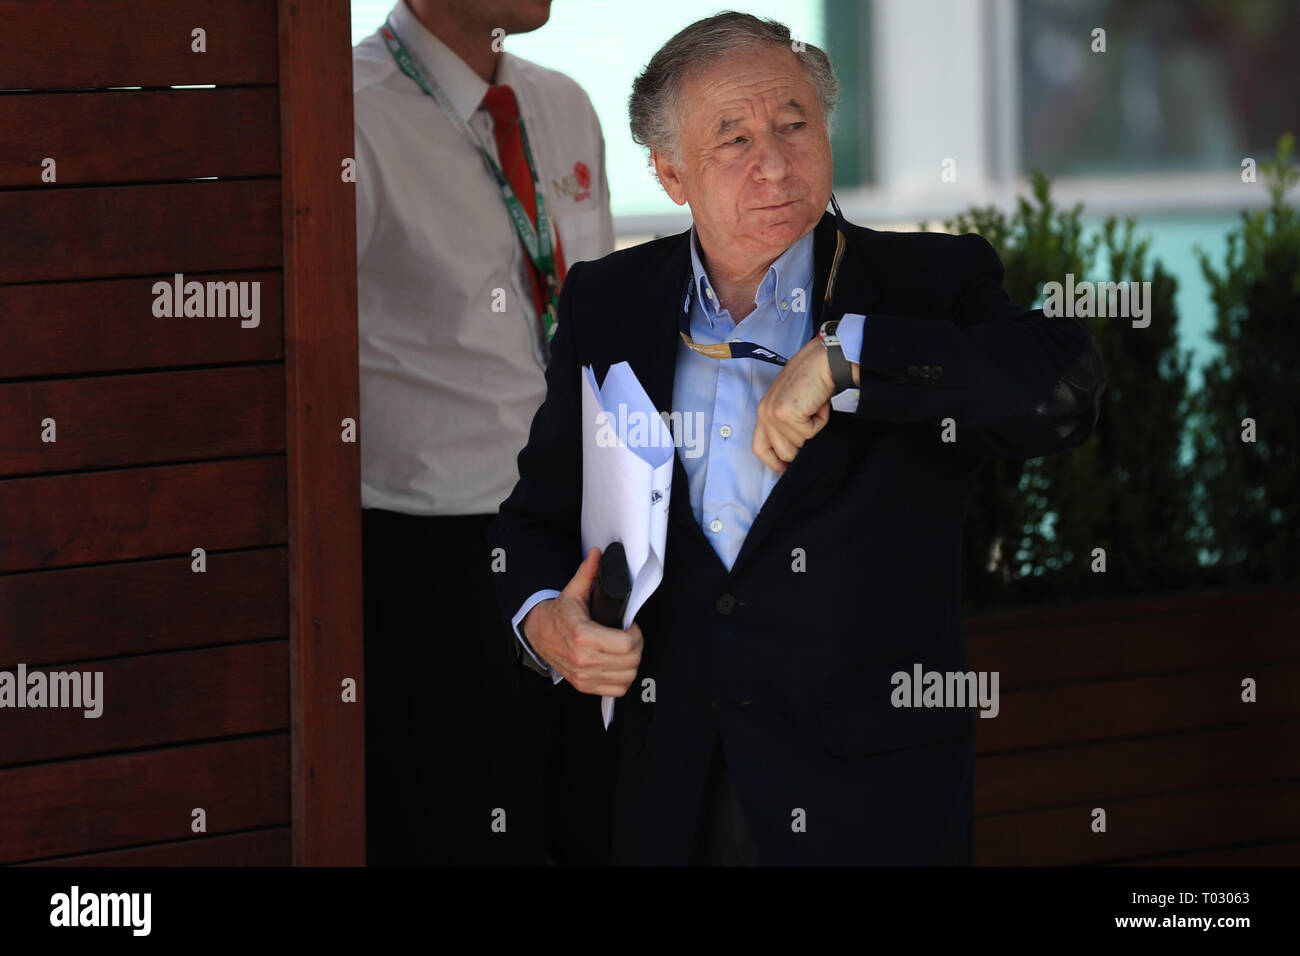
(612, 587)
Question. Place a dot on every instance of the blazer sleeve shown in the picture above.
(1016, 383)
(539, 525)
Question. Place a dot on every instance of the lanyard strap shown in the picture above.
(737, 350)
(722, 350)
(537, 242)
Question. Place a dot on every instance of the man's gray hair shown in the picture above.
(653, 105)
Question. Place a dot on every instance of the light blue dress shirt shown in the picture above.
(727, 482)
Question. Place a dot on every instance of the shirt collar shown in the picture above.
(792, 270)
(464, 88)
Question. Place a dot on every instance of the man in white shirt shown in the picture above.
(457, 142)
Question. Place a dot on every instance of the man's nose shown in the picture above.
(770, 160)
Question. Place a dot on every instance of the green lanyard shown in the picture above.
(537, 242)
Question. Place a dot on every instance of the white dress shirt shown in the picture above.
(449, 384)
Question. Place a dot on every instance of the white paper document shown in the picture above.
(627, 476)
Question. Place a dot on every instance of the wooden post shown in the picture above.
(324, 471)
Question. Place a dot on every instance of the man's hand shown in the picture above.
(594, 659)
(796, 407)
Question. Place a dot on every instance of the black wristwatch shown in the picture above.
(841, 370)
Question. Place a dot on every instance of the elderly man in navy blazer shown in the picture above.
(814, 543)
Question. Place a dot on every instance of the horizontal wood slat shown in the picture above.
(99, 803)
(270, 847)
(1050, 717)
(1141, 827)
(1132, 768)
(110, 231)
(133, 136)
(1028, 617)
(78, 44)
(116, 609)
(62, 520)
(1283, 853)
(72, 328)
(1119, 639)
(142, 419)
(158, 699)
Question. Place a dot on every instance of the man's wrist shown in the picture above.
(523, 622)
(850, 333)
(528, 658)
(841, 371)
(524, 652)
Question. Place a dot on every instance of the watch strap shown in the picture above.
(841, 369)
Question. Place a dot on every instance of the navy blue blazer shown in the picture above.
(850, 572)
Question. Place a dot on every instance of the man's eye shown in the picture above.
(733, 142)
(799, 125)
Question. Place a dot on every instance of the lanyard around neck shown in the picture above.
(537, 241)
(738, 350)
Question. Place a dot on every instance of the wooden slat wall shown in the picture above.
(221, 132)
(103, 803)
(72, 328)
(176, 433)
(97, 44)
(96, 231)
(1135, 707)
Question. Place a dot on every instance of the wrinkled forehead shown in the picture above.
(754, 80)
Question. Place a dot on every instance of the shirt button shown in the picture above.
(784, 305)
(725, 431)
(709, 293)
(715, 525)
(725, 604)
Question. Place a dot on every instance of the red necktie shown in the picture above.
(501, 104)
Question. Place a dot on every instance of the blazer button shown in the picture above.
(714, 705)
(725, 604)
(936, 371)
(913, 371)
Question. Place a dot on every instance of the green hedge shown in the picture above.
(1164, 485)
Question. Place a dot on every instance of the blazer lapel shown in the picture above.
(659, 373)
(834, 443)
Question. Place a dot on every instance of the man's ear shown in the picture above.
(669, 177)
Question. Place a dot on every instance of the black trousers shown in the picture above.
(723, 837)
(470, 759)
